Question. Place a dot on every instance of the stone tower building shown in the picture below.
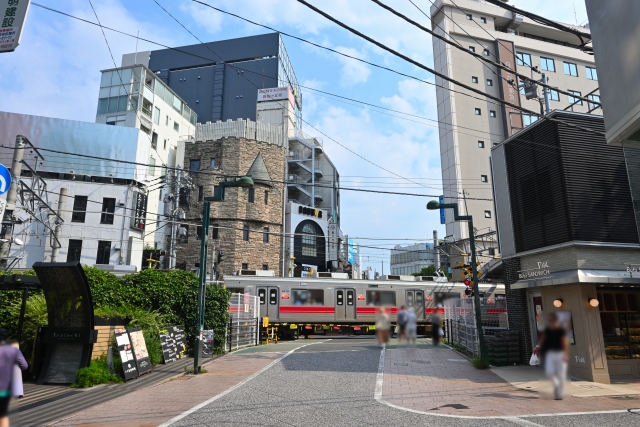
(247, 226)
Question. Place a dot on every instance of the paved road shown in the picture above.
(332, 383)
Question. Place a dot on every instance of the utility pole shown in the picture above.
(62, 201)
(12, 197)
(547, 105)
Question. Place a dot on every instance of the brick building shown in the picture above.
(247, 226)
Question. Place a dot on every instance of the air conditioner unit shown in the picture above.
(259, 273)
(327, 275)
(401, 278)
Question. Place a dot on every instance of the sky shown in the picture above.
(55, 72)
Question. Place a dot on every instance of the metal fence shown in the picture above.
(460, 320)
(243, 327)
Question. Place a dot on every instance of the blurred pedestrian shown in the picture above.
(402, 324)
(553, 346)
(412, 327)
(436, 331)
(9, 357)
(383, 324)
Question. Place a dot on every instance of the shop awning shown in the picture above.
(612, 277)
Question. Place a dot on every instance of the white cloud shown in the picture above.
(353, 71)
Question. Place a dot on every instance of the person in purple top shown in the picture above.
(9, 357)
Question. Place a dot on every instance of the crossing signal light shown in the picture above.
(468, 291)
(467, 282)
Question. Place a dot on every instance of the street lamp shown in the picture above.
(242, 182)
(434, 205)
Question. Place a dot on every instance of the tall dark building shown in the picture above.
(220, 80)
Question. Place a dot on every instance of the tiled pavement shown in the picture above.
(154, 405)
(441, 381)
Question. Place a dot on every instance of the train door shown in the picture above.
(269, 300)
(345, 304)
(419, 304)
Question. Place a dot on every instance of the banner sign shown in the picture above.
(276, 94)
(13, 14)
(140, 353)
(443, 218)
(512, 118)
(129, 367)
(139, 208)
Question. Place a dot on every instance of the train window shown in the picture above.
(340, 297)
(419, 298)
(262, 294)
(381, 298)
(273, 296)
(307, 296)
(349, 297)
(410, 299)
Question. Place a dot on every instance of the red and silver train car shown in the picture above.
(312, 305)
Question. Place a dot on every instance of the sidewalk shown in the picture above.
(154, 405)
(441, 381)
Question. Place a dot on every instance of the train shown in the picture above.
(299, 306)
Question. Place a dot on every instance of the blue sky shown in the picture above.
(55, 72)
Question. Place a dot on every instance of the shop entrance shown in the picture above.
(536, 311)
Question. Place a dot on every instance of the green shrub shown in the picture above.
(480, 363)
(96, 373)
(35, 314)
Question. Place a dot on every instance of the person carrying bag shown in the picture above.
(10, 357)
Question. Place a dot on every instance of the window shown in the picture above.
(116, 120)
(166, 121)
(75, 250)
(523, 59)
(571, 69)
(485, 52)
(474, 79)
(483, 20)
(198, 232)
(200, 193)
(154, 140)
(156, 115)
(79, 209)
(572, 99)
(595, 98)
(478, 112)
(265, 235)
(194, 164)
(592, 74)
(245, 233)
(483, 178)
(487, 214)
(469, 17)
(245, 266)
(547, 64)
(176, 126)
(480, 144)
(145, 129)
(104, 252)
(152, 166)
(216, 191)
(489, 82)
(108, 208)
(307, 296)
(472, 49)
(376, 298)
(492, 113)
(265, 267)
(214, 232)
(528, 119)
(212, 163)
(554, 95)
(164, 146)
(252, 195)
(266, 197)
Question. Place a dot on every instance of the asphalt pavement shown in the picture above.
(333, 382)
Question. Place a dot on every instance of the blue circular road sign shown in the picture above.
(5, 179)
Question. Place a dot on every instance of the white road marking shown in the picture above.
(229, 390)
(377, 395)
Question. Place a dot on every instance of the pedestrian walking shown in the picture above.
(383, 324)
(9, 357)
(553, 346)
(412, 327)
(436, 331)
(402, 324)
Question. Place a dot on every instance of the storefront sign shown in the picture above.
(302, 210)
(129, 367)
(140, 353)
(276, 94)
(308, 270)
(13, 14)
(139, 208)
(173, 343)
(542, 271)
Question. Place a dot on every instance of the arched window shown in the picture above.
(309, 240)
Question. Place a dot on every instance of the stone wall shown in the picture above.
(235, 157)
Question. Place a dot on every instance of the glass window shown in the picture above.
(266, 197)
(199, 232)
(340, 297)
(523, 59)
(595, 98)
(469, 17)
(126, 75)
(108, 208)
(547, 64)
(194, 164)
(152, 166)
(478, 112)
(79, 209)
(572, 99)
(103, 105)
(308, 241)
(489, 82)
(472, 49)
(485, 52)
(194, 118)
(570, 69)
(592, 74)
(350, 298)
(113, 105)
(245, 232)
(177, 104)
(104, 92)
(186, 113)
(377, 298)
(245, 266)
(122, 103)
(154, 140)
(483, 178)
(480, 144)
(528, 119)
(252, 195)
(265, 267)
(262, 294)
(160, 89)
(132, 105)
(265, 235)
(554, 95)
(156, 115)
(492, 113)
(200, 193)
(116, 120)
(168, 97)
(214, 232)
(474, 79)
(307, 296)
(487, 214)
(212, 163)
(176, 126)
(104, 252)
(273, 296)
(75, 250)
(483, 20)
(105, 80)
